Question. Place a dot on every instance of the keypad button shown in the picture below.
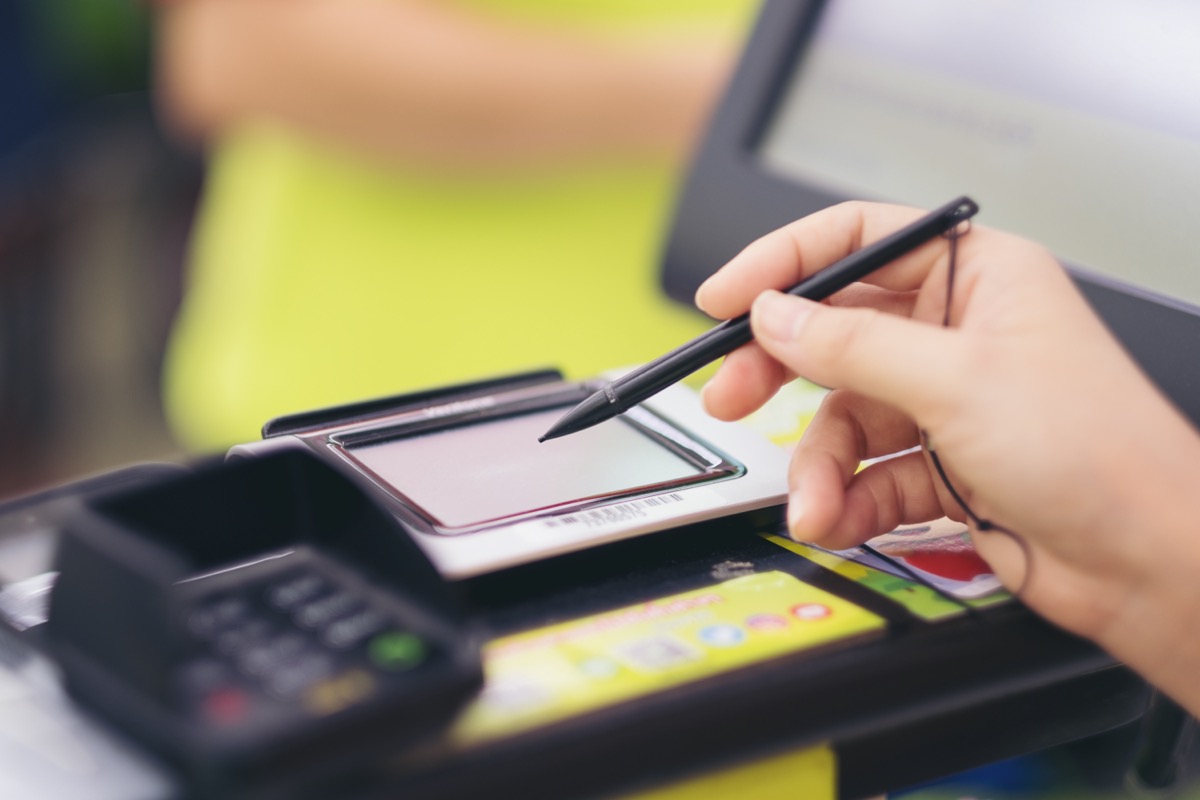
(353, 630)
(320, 613)
(273, 654)
(296, 590)
(202, 675)
(243, 635)
(397, 650)
(226, 706)
(299, 675)
(216, 615)
(339, 691)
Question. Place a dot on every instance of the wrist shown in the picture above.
(672, 90)
(1152, 626)
(1154, 630)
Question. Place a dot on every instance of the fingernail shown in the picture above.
(779, 316)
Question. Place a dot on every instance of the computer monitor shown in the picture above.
(1077, 127)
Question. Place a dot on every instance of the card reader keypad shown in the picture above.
(302, 638)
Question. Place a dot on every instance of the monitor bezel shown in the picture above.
(730, 197)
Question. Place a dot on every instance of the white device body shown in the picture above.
(741, 472)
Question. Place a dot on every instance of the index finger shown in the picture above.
(785, 256)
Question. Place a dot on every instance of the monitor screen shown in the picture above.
(1080, 129)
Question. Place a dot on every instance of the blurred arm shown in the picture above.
(432, 82)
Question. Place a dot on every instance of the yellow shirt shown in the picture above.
(316, 278)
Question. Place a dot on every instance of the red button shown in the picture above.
(226, 706)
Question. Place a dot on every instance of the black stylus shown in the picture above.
(650, 379)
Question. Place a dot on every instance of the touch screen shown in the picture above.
(485, 471)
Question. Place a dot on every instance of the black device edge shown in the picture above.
(364, 411)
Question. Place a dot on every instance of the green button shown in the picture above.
(397, 650)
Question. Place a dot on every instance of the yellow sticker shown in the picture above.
(541, 676)
(810, 773)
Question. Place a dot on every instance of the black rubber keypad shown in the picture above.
(293, 636)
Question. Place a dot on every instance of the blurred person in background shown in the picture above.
(408, 193)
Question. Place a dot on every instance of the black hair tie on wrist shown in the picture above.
(980, 524)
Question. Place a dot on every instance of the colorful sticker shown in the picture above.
(919, 599)
(553, 673)
(940, 553)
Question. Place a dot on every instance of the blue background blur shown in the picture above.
(94, 206)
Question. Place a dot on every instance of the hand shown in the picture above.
(1045, 424)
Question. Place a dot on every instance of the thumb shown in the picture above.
(903, 362)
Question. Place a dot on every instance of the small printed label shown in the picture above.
(618, 514)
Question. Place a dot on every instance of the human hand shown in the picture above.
(1046, 426)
